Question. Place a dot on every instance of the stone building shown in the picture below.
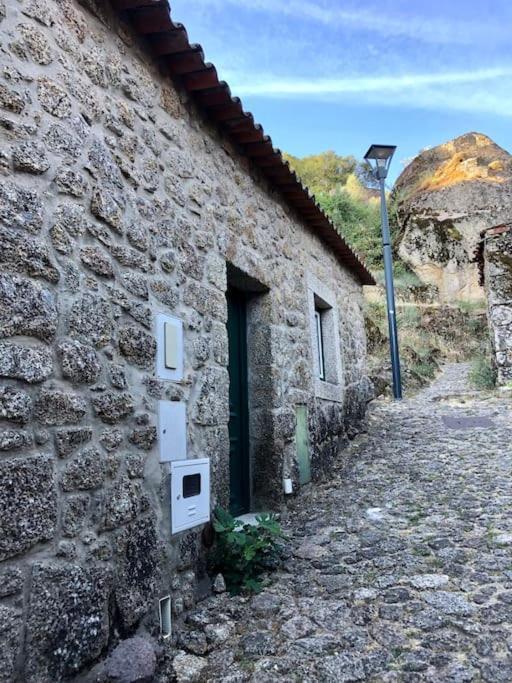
(153, 245)
(496, 265)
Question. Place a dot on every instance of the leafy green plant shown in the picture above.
(482, 374)
(244, 551)
(358, 221)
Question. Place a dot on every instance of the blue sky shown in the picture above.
(340, 74)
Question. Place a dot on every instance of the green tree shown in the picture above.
(323, 172)
(357, 220)
(346, 191)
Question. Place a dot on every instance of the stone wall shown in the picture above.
(117, 201)
(498, 285)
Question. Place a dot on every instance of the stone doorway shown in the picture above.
(250, 395)
(239, 459)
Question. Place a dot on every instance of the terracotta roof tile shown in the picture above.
(185, 63)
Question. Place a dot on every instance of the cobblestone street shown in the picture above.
(401, 567)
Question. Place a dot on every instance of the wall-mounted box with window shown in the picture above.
(325, 340)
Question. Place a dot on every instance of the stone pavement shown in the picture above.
(401, 567)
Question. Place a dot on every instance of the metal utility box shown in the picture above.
(190, 494)
(169, 347)
(172, 430)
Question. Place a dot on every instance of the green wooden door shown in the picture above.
(302, 444)
(238, 405)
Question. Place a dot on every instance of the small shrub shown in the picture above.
(472, 307)
(482, 374)
(409, 316)
(425, 370)
(477, 327)
(405, 279)
(244, 551)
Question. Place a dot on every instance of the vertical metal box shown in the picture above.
(190, 494)
(172, 430)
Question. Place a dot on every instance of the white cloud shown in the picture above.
(428, 29)
(485, 90)
(270, 86)
(283, 52)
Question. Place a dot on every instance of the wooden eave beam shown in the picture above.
(245, 136)
(169, 43)
(185, 62)
(201, 80)
(214, 97)
(152, 19)
(226, 112)
(135, 4)
(259, 149)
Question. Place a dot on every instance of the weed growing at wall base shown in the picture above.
(482, 374)
(244, 552)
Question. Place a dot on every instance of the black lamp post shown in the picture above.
(379, 157)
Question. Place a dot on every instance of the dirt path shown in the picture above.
(401, 569)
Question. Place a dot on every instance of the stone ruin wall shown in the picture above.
(498, 285)
(116, 202)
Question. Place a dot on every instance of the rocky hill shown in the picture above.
(444, 199)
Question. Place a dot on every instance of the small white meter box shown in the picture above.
(190, 494)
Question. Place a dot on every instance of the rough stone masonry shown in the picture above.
(497, 271)
(118, 201)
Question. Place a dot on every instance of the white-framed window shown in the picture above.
(320, 344)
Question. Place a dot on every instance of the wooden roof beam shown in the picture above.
(201, 80)
(135, 4)
(185, 62)
(152, 19)
(170, 42)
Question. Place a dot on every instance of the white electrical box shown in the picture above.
(172, 430)
(169, 347)
(190, 494)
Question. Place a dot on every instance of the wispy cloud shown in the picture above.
(429, 28)
(347, 51)
(484, 90)
(272, 87)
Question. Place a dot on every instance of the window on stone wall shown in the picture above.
(320, 342)
(325, 340)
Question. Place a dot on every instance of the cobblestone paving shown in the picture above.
(401, 569)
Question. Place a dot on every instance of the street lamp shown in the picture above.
(379, 157)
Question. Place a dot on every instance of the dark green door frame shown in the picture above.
(239, 464)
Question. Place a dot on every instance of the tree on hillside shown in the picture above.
(357, 220)
(346, 191)
(323, 172)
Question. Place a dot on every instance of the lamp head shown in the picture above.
(379, 157)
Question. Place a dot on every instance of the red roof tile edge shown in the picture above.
(185, 63)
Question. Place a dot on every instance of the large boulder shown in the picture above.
(446, 197)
